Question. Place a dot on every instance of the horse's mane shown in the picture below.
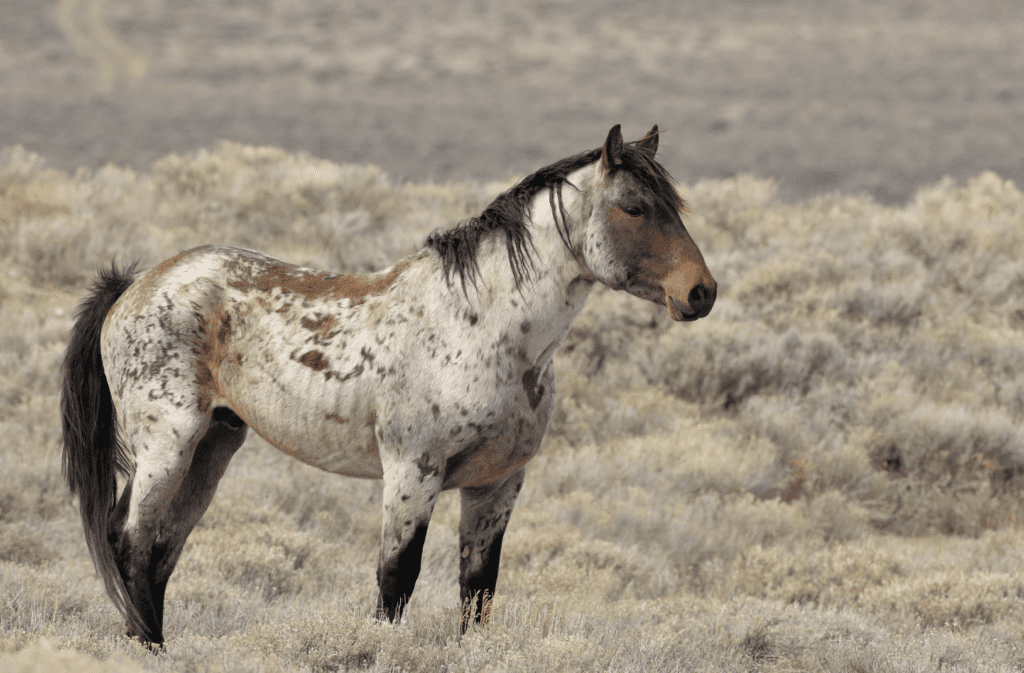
(509, 213)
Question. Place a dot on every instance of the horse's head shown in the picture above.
(635, 240)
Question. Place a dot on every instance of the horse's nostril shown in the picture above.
(701, 299)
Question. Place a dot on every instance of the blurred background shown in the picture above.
(877, 96)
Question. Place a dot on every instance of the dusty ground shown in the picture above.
(852, 95)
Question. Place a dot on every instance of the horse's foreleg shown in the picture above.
(410, 491)
(485, 514)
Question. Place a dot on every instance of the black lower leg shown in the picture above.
(145, 591)
(396, 576)
(476, 588)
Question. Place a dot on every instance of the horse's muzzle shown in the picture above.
(698, 303)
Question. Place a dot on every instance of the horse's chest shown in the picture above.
(486, 444)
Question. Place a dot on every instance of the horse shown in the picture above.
(433, 374)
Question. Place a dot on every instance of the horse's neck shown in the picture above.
(537, 315)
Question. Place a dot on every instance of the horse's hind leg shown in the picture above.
(155, 516)
(484, 517)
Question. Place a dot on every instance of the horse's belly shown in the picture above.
(331, 433)
(342, 451)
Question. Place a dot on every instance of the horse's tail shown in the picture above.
(93, 452)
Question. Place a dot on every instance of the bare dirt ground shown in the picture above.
(852, 95)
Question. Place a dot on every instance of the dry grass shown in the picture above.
(823, 475)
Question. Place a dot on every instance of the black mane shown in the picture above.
(509, 213)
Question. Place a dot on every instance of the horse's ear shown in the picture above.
(611, 153)
(650, 141)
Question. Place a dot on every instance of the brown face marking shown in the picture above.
(317, 284)
(315, 360)
(673, 263)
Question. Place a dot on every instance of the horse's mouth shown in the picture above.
(682, 313)
(680, 316)
(679, 311)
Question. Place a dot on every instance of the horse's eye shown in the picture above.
(633, 211)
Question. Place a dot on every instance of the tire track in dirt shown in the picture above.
(83, 24)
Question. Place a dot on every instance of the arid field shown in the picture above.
(825, 474)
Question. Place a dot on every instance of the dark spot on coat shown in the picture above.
(426, 468)
(472, 318)
(315, 360)
(436, 409)
(525, 326)
(533, 392)
(356, 371)
(224, 328)
(336, 418)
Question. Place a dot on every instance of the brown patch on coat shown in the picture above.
(321, 325)
(481, 465)
(315, 360)
(336, 418)
(318, 284)
(323, 328)
(212, 352)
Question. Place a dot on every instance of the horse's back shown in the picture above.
(284, 347)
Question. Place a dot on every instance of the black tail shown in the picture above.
(93, 453)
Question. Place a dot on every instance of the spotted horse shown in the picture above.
(432, 374)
